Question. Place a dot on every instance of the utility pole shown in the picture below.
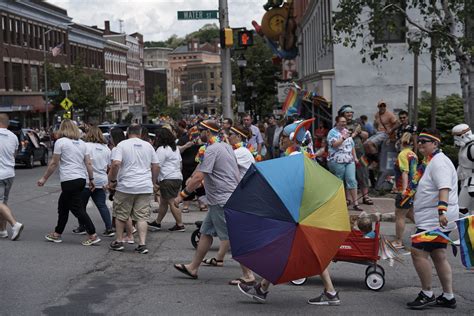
(225, 63)
(433, 81)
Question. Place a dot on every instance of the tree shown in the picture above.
(158, 102)
(449, 23)
(207, 33)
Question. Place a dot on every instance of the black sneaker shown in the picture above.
(326, 299)
(442, 301)
(154, 226)
(108, 233)
(177, 228)
(116, 245)
(253, 291)
(422, 301)
(79, 230)
(142, 249)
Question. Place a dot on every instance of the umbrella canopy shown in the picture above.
(287, 218)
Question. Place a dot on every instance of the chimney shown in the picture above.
(107, 27)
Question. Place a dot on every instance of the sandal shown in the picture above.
(213, 262)
(367, 200)
(182, 268)
(241, 281)
(397, 244)
(357, 208)
(203, 208)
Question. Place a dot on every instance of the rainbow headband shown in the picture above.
(238, 132)
(429, 136)
(213, 129)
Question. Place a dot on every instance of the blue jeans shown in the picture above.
(98, 196)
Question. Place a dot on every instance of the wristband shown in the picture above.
(90, 179)
(442, 207)
(183, 194)
(186, 192)
(113, 181)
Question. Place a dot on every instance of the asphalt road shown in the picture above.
(41, 278)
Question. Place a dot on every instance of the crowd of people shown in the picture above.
(204, 158)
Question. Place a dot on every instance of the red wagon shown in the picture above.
(360, 250)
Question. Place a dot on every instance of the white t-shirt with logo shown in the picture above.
(100, 156)
(439, 174)
(71, 163)
(8, 147)
(136, 156)
(244, 159)
(170, 163)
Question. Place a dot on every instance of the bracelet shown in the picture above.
(442, 207)
(183, 194)
(186, 192)
(90, 179)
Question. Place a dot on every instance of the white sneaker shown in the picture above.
(3, 234)
(16, 230)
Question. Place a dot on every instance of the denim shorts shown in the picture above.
(344, 171)
(5, 187)
(214, 223)
(429, 246)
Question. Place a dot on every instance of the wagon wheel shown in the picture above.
(372, 268)
(374, 281)
(299, 281)
(195, 236)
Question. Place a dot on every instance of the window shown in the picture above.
(211, 75)
(212, 87)
(17, 79)
(6, 76)
(34, 78)
(393, 29)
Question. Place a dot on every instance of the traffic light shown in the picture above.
(227, 38)
(245, 38)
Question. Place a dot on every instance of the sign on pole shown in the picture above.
(198, 15)
(66, 104)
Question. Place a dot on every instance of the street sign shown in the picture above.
(52, 93)
(65, 86)
(198, 15)
(241, 107)
(66, 104)
(67, 115)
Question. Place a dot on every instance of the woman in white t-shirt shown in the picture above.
(169, 179)
(99, 154)
(435, 207)
(70, 154)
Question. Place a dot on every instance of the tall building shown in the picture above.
(24, 25)
(156, 58)
(180, 58)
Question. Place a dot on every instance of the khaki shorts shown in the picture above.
(135, 206)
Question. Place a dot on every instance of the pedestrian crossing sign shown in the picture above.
(66, 104)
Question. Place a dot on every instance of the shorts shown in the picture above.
(214, 223)
(344, 171)
(5, 186)
(169, 188)
(429, 246)
(378, 138)
(134, 206)
(408, 205)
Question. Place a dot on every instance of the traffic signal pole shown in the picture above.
(225, 63)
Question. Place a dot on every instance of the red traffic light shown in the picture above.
(245, 38)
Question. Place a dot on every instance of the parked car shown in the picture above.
(30, 148)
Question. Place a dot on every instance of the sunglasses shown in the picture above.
(424, 141)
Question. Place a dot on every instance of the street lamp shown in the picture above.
(194, 97)
(415, 37)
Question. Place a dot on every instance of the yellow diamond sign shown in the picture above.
(66, 104)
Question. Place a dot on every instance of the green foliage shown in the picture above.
(128, 118)
(158, 101)
(207, 33)
(449, 114)
(261, 72)
(173, 111)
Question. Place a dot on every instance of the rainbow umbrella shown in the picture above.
(287, 218)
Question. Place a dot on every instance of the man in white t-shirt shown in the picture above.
(8, 148)
(139, 169)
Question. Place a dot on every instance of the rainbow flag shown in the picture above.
(292, 103)
(431, 236)
(364, 161)
(466, 240)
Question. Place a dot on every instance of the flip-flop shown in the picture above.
(182, 268)
(241, 281)
(213, 262)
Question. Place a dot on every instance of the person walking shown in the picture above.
(8, 147)
(220, 173)
(70, 154)
(269, 135)
(342, 157)
(132, 175)
(435, 188)
(99, 154)
(169, 179)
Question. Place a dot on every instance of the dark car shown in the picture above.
(30, 148)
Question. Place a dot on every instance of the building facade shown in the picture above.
(156, 58)
(115, 67)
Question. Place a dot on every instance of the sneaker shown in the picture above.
(90, 242)
(422, 301)
(154, 226)
(326, 299)
(442, 301)
(3, 234)
(141, 249)
(116, 245)
(79, 230)
(134, 230)
(16, 230)
(108, 233)
(177, 228)
(128, 240)
(253, 291)
(51, 237)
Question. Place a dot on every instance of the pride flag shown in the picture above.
(431, 236)
(466, 240)
(292, 103)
